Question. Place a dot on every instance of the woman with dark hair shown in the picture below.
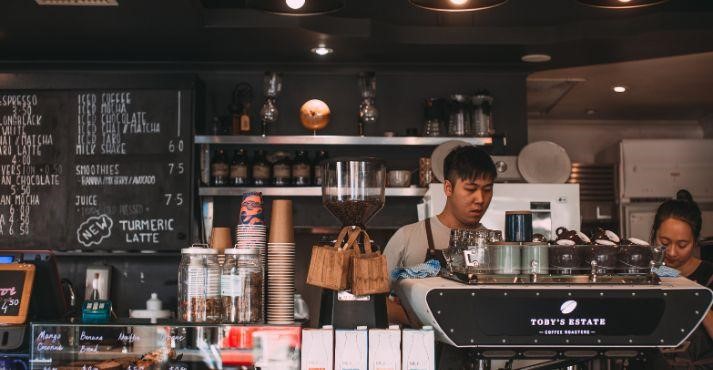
(677, 226)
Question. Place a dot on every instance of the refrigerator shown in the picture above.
(552, 205)
(652, 171)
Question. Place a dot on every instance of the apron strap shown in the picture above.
(431, 253)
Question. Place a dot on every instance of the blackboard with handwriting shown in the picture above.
(95, 169)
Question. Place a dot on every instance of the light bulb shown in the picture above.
(619, 89)
(322, 50)
(458, 2)
(295, 4)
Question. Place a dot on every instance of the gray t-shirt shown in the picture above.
(409, 245)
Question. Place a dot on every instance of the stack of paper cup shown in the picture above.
(251, 231)
(281, 264)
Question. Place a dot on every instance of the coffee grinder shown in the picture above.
(353, 191)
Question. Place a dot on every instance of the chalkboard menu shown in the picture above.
(95, 169)
(15, 288)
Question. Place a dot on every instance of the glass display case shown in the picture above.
(139, 345)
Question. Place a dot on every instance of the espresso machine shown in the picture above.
(353, 191)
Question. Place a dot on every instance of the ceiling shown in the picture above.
(671, 88)
(364, 32)
(664, 53)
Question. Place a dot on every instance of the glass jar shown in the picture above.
(301, 169)
(318, 165)
(432, 115)
(261, 169)
(242, 286)
(199, 284)
(219, 169)
(458, 116)
(239, 168)
(281, 170)
(482, 114)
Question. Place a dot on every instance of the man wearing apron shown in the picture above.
(469, 175)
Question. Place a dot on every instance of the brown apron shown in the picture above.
(431, 252)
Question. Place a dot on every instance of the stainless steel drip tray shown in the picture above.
(623, 279)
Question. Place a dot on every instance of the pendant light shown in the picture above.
(297, 7)
(457, 5)
(621, 4)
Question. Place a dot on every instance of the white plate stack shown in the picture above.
(281, 265)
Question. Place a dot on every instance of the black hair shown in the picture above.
(468, 163)
(682, 208)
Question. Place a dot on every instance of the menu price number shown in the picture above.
(7, 303)
(9, 224)
(175, 199)
(176, 168)
(175, 146)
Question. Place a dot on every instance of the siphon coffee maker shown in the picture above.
(353, 191)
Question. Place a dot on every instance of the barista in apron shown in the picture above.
(469, 175)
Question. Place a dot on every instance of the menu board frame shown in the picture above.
(186, 85)
(29, 272)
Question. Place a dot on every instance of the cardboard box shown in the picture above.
(418, 349)
(318, 349)
(350, 349)
(385, 349)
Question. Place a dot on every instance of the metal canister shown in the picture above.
(535, 258)
(518, 226)
(477, 255)
(506, 257)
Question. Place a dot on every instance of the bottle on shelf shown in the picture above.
(219, 169)
(318, 165)
(240, 108)
(239, 168)
(281, 170)
(301, 169)
(261, 169)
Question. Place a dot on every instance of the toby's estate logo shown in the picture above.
(567, 307)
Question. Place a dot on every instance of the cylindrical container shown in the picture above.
(482, 115)
(535, 258)
(604, 255)
(425, 174)
(565, 259)
(477, 255)
(198, 284)
(518, 226)
(458, 116)
(241, 284)
(506, 257)
(635, 259)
